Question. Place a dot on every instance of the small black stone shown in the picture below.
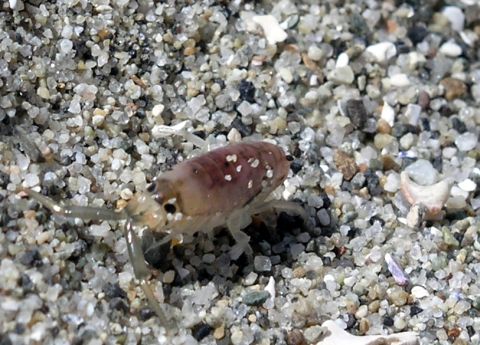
(445, 111)
(388, 321)
(351, 321)
(373, 183)
(400, 129)
(458, 125)
(414, 310)
(458, 236)
(118, 303)
(31, 258)
(4, 179)
(114, 291)
(357, 113)
(437, 163)
(296, 166)
(155, 253)
(417, 33)
(244, 130)
(201, 331)
(247, 91)
(26, 283)
(326, 200)
(256, 298)
(402, 47)
(146, 313)
(20, 328)
(471, 331)
(425, 124)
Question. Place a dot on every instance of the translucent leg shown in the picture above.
(289, 207)
(72, 211)
(180, 130)
(142, 272)
(235, 226)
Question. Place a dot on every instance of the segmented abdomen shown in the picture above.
(227, 178)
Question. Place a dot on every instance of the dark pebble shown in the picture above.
(201, 331)
(425, 124)
(445, 111)
(402, 47)
(471, 331)
(424, 100)
(4, 179)
(247, 91)
(20, 328)
(146, 313)
(351, 321)
(155, 253)
(359, 26)
(388, 321)
(400, 129)
(355, 110)
(295, 337)
(373, 183)
(458, 125)
(26, 283)
(437, 163)
(118, 303)
(256, 298)
(353, 232)
(31, 258)
(114, 291)
(296, 166)
(244, 130)
(458, 236)
(417, 33)
(326, 200)
(414, 310)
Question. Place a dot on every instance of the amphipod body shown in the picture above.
(222, 187)
(212, 189)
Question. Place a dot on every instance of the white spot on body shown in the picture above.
(239, 168)
(269, 173)
(178, 216)
(250, 184)
(231, 158)
(255, 163)
(228, 177)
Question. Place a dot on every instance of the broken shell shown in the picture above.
(433, 197)
(334, 335)
(271, 28)
(396, 270)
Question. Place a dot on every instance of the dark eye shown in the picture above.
(170, 208)
(151, 187)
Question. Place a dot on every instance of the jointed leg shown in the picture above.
(72, 211)
(235, 224)
(289, 207)
(180, 130)
(142, 272)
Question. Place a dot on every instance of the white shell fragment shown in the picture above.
(162, 131)
(382, 52)
(334, 335)
(388, 114)
(396, 270)
(433, 197)
(271, 28)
